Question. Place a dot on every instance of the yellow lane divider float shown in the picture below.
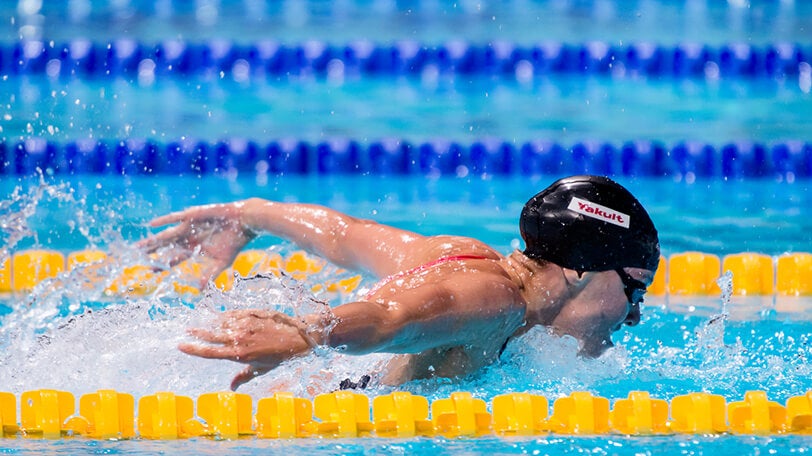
(108, 414)
(682, 274)
(24, 270)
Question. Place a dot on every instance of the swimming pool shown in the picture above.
(682, 345)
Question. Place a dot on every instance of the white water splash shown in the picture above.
(705, 361)
(544, 363)
(18, 208)
(33, 215)
(710, 337)
(131, 346)
(725, 283)
(70, 333)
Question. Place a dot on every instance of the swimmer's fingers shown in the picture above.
(211, 337)
(173, 245)
(225, 352)
(223, 347)
(210, 351)
(167, 237)
(193, 213)
(246, 375)
(173, 217)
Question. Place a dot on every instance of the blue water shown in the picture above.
(711, 216)
(616, 445)
(576, 108)
(524, 21)
(681, 344)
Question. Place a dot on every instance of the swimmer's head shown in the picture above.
(589, 223)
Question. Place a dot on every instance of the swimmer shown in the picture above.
(445, 305)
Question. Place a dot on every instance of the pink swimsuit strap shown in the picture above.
(422, 267)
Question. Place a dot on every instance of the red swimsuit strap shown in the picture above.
(423, 267)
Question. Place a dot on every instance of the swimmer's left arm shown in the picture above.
(219, 231)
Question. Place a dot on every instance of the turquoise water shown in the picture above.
(524, 21)
(576, 108)
(49, 339)
(616, 445)
(711, 216)
(680, 346)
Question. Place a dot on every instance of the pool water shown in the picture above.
(68, 334)
(682, 344)
(616, 445)
(663, 21)
(746, 215)
(555, 108)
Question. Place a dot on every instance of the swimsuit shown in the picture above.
(348, 384)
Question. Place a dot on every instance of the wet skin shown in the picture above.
(447, 319)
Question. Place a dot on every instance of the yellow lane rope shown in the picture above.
(108, 414)
(681, 274)
(26, 269)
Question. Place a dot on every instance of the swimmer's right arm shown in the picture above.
(412, 321)
(261, 339)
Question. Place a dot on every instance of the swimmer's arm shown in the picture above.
(221, 230)
(437, 316)
(428, 317)
(344, 240)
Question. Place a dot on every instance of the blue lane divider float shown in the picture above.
(128, 58)
(786, 160)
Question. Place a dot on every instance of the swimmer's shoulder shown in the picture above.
(448, 245)
(486, 281)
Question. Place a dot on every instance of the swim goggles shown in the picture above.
(634, 289)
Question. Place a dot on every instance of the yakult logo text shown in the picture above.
(599, 212)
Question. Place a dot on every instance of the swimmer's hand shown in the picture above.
(262, 339)
(215, 232)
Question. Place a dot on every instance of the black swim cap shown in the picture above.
(589, 223)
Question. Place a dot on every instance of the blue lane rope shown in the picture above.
(785, 160)
(127, 58)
